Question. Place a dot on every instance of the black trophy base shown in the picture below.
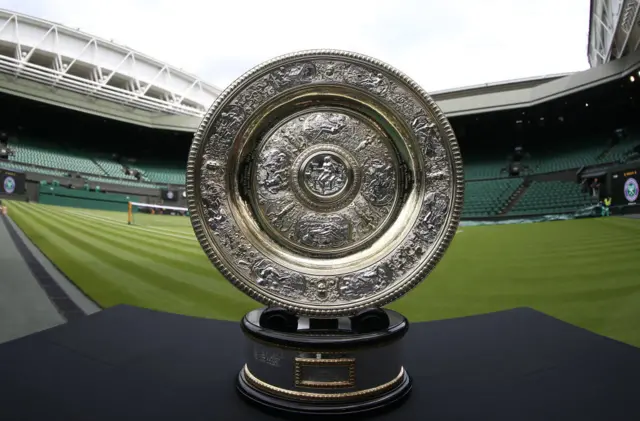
(292, 409)
(342, 366)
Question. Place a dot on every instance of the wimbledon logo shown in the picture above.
(631, 190)
(9, 185)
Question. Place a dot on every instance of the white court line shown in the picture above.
(118, 223)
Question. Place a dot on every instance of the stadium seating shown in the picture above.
(565, 156)
(32, 153)
(551, 197)
(488, 198)
(619, 152)
(10, 165)
(484, 169)
(163, 173)
(110, 168)
(488, 187)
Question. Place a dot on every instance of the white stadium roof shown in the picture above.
(53, 63)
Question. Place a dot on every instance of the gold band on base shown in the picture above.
(309, 396)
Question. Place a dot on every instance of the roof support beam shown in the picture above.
(628, 19)
(36, 39)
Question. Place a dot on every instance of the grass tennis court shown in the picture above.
(586, 272)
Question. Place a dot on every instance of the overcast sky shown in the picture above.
(441, 44)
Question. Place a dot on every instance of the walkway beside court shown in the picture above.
(34, 295)
(25, 308)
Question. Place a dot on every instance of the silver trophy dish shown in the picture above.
(324, 184)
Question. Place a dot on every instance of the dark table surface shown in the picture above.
(130, 363)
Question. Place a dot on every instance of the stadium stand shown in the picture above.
(10, 165)
(164, 173)
(43, 157)
(488, 198)
(482, 169)
(559, 139)
(620, 151)
(566, 156)
(488, 188)
(28, 151)
(551, 197)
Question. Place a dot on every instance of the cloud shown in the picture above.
(440, 44)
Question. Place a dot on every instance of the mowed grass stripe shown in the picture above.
(140, 260)
(179, 224)
(139, 249)
(498, 267)
(155, 222)
(106, 284)
(120, 219)
(194, 297)
(585, 272)
(149, 239)
(158, 232)
(125, 231)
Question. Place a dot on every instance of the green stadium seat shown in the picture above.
(163, 173)
(551, 197)
(488, 198)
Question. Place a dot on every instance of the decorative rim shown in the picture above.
(440, 242)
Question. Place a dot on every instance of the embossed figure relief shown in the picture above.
(428, 136)
(365, 283)
(323, 231)
(273, 173)
(379, 185)
(436, 205)
(280, 281)
(320, 191)
(325, 175)
(325, 125)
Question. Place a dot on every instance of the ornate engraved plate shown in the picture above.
(324, 182)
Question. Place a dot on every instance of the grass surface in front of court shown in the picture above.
(585, 272)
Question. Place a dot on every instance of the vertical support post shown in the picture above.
(130, 214)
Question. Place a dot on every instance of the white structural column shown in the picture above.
(64, 58)
(603, 24)
(614, 30)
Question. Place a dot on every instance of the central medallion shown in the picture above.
(326, 182)
(325, 177)
(325, 174)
